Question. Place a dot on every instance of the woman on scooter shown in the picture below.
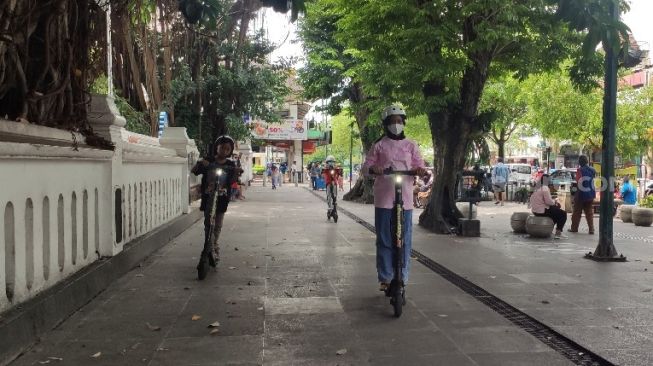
(394, 151)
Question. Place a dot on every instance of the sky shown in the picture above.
(639, 21)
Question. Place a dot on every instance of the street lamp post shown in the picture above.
(351, 153)
(606, 251)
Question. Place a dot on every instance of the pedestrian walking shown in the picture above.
(628, 192)
(315, 174)
(584, 196)
(500, 174)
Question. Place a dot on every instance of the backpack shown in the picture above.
(586, 191)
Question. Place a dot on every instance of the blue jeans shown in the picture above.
(385, 251)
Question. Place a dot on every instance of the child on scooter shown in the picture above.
(394, 151)
(223, 148)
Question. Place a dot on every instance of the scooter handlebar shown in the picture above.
(390, 171)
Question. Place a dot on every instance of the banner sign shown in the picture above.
(287, 129)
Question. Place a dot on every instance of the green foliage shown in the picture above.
(136, 120)
(422, 59)
(258, 169)
(557, 110)
(646, 202)
(342, 127)
(229, 92)
(418, 130)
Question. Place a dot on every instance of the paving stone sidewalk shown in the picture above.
(291, 289)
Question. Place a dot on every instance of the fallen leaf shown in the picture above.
(249, 283)
(186, 288)
(140, 275)
(493, 276)
(236, 248)
(288, 294)
(341, 352)
(545, 302)
(214, 325)
(55, 358)
(255, 267)
(647, 290)
(153, 328)
(44, 362)
(609, 309)
(214, 331)
(260, 309)
(135, 345)
(195, 317)
(615, 327)
(232, 267)
(160, 349)
(97, 355)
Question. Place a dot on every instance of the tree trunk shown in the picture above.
(501, 143)
(451, 137)
(453, 129)
(135, 70)
(363, 189)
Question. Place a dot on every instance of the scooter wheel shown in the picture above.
(328, 215)
(203, 267)
(398, 301)
(335, 217)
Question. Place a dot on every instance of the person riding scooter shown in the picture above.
(331, 174)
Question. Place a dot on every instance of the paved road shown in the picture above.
(294, 289)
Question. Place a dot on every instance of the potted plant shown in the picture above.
(643, 214)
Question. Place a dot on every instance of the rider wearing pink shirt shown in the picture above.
(394, 151)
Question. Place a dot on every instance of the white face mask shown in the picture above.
(396, 128)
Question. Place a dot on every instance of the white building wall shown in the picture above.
(59, 204)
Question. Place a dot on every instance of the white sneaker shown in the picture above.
(560, 236)
(501, 203)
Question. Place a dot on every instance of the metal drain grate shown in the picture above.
(573, 351)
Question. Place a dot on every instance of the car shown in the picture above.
(562, 178)
(520, 173)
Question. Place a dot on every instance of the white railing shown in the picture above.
(64, 208)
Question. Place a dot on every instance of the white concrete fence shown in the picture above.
(64, 208)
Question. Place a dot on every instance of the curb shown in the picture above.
(23, 325)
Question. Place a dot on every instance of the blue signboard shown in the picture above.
(163, 122)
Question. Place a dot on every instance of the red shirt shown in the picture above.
(328, 177)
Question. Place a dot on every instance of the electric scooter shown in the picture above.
(397, 291)
(218, 174)
(332, 195)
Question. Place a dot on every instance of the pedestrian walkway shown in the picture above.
(294, 289)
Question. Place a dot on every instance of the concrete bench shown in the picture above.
(518, 222)
(539, 226)
(625, 213)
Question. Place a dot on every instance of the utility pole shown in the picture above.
(351, 152)
(606, 251)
